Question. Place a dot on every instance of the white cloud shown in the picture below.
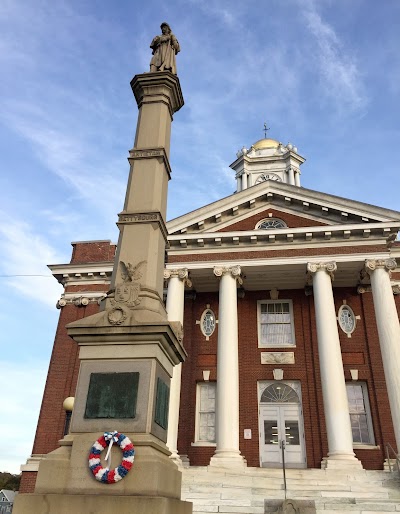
(339, 71)
(25, 252)
(21, 390)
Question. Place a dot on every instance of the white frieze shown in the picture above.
(277, 357)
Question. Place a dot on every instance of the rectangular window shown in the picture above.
(275, 322)
(205, 416)
(360, 415)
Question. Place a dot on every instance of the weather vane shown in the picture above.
(265, 130)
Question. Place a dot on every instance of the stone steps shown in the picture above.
(225, 491)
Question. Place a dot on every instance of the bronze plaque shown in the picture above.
(112, 395)
(162, 404)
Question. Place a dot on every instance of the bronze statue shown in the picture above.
(164, 47)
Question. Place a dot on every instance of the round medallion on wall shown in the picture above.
(207, 323)
(347, 319)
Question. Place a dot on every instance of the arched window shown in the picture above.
(278, 392)
(270, 223)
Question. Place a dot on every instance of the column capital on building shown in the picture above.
(329, 267)
(385, 264)
(234, 271)
(181, 273)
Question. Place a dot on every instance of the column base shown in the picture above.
(227, 459)
(185, 461)
(99, 503)
(341, 463)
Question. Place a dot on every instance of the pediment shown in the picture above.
(297, 206)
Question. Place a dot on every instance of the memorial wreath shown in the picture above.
(106, 475)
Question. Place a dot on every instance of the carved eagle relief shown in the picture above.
(131, 273)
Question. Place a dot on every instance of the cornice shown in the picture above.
(379, 233)
(75, 274)
(279, 261)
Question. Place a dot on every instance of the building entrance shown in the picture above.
(281, 424)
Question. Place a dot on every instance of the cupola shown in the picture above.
(267, 159)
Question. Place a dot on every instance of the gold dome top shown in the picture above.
(266, 143)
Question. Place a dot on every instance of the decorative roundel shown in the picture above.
(207, 322)
(105, 475)
(347, 319)
(271, 223)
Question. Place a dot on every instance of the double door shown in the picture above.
(281, 425)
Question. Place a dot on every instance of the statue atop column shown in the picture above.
(165, 48)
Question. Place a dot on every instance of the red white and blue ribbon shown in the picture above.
(106, 475)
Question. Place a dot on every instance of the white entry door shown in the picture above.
(281, 424)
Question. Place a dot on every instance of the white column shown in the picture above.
(336, 408)
(227, 452)
(387, 321)
(244, 180)
(297, 178)
(175, 307)
(291, 175)
(239, 183)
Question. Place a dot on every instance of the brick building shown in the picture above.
(290, 325)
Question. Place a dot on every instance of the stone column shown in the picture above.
(244, 180)
(336, 408)
(227, 452)
(291, 175)
(239, 183)
(177, 278)
(387, 321)
(297, 178)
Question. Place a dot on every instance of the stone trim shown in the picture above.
(130, 218)
(150, 153)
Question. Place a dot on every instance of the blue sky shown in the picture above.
(324, 74)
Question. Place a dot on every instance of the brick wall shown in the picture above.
(28, 480)
(291, 221)
(92, 251)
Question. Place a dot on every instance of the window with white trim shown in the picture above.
(205, 412)
(270, 223)
(360, 413)
(275, 323)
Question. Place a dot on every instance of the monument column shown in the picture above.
(128, 350)
(227, 452)
(336, 408)
(387, 321)
(177, 279)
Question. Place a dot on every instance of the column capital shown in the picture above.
(181, 273)
(234, 271)
(386, 264)
(329, 267)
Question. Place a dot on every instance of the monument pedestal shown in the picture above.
(128, 350)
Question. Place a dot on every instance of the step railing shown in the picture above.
(282, 445)
(388, 447)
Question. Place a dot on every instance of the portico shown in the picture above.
(252, 276)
